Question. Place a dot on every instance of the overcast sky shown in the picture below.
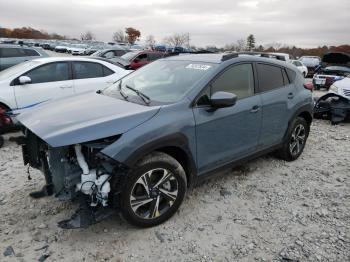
(305, 23)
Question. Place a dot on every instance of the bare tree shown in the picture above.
(119, 37)
(87, 36)
(230, 47)
(241, 45)
(178, 39)
(274, 45)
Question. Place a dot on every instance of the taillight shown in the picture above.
(309, 86)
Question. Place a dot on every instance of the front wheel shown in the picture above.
(296, 137)
(154, 190)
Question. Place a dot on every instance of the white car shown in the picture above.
(43, 79)
(341, 88)
(301, 67)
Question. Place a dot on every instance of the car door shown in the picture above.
(228, 134)
(139, 61)
(48, 81)
(91, 76)
(277, 95)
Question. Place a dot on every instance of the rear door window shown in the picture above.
(82, 70)
(52, 72)
(238, 79)
(270, 77)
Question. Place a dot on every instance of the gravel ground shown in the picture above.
(266, 210)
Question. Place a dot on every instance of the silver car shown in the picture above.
(11, 55)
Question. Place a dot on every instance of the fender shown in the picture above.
(305, 108)
(176, 140)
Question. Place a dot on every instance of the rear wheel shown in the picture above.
(294, 143)
(154, 190)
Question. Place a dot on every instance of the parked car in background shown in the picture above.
(136, 59)
(114, 51)
(311, 62)
(11, 55)
(141, 143)
(77, 49)
(325, 77)
(286, 56)
(60, 48)
(40, 80)
(301, 67)
(334, 66)
(94, 48)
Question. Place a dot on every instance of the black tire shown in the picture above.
(151, 213)
(288, 151)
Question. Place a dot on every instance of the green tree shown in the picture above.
(250, 42)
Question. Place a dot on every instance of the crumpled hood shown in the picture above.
(84, 118)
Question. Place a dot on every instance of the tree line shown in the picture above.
(28, 33)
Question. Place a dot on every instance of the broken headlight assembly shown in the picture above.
(80, 172)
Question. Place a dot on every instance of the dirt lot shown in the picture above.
(267, 210)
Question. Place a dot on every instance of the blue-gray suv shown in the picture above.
(138, 145)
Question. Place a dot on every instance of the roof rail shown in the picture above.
(261, 54)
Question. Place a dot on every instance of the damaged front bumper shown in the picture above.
(78, 172)
(332, 107)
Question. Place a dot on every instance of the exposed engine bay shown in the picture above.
(77, 172)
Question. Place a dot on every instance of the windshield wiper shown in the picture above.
(121, 91)
(144, 97)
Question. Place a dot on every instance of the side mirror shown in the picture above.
(23, 80)
(223, 99)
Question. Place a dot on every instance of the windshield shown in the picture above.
(163, 81)
(129, 55)
(19, 68)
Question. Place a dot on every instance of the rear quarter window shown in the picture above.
(270, 77)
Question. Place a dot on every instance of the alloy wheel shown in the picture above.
(154, 193)
(297, 140)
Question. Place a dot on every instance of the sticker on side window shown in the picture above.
(198, 66)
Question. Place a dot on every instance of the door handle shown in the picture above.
(255, 109)
(63, 87)
(290, 96)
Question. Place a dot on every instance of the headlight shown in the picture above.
(334, 89)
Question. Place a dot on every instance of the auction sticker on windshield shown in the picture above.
(198, 66)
